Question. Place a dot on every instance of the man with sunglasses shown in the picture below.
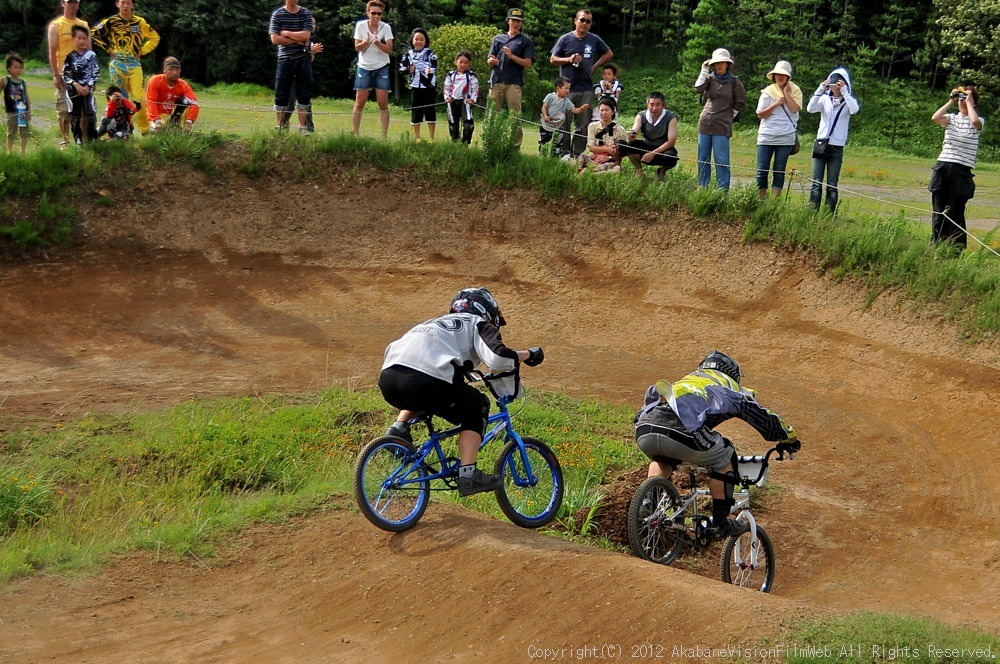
(578, 54)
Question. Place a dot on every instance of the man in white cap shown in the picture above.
(510, 54)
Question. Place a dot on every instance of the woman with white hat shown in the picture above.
(778, 110)
(725, 98)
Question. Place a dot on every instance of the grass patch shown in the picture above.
(878, 637)
(173, 481)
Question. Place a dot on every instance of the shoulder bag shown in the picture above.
(822, 145)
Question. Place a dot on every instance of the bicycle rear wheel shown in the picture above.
(653, 529)
(529, 504)
(737, 566)
(376, 485)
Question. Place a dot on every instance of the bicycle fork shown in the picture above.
(739, 557)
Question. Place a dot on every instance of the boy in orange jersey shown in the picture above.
(169, 98)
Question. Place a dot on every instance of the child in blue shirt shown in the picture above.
(16, 103)
(420, 63)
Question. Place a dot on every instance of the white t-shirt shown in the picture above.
(372, 58)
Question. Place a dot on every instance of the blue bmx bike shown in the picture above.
(393, 479)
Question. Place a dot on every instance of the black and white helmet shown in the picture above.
(719, 361)
(478, 301)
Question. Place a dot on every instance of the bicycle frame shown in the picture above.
(689, 506)
(502, 428)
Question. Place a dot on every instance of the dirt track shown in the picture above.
(890, 506)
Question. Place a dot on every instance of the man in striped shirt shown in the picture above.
(290, 30)
(952, 184)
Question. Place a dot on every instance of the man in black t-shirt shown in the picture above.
(510, 54)
(579, 53)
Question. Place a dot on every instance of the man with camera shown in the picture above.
(952, 184)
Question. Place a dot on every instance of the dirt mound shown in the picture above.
(194, 284)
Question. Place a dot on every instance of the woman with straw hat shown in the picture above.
(778, 110)
(725, 98)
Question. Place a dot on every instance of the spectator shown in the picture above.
(16, 103)
(778, 110)
(608, 86)
(461, 91)
(952, 184)
(117, 120)
(80, 74)
(126, 38)
(170, 98)
(420, 65)
(290, 30)
(658, 126)
(578, 54)
(831, 99)
(510, 54)
(286, 114)
(60, 43)
(725, 98)
(556, 109)
(603, 138)
(373, 42)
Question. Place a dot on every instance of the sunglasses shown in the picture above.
(374, 13)
(584, 20)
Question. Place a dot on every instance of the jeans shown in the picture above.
(719, 146)
(781, 153)
(298, 70)
(834, 160)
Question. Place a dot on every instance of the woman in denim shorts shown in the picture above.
(373, 42)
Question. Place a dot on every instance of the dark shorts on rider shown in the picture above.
(459, 403)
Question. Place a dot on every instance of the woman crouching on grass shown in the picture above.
(603, 138)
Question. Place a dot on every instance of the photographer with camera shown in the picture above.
(952, 184)
(835, 102)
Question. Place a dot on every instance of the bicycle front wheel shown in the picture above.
(383, 499)
(655, 527)
(529, 504)
(739, 567)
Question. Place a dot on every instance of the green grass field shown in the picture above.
(872, 180)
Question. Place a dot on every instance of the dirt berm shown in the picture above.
(195, 284)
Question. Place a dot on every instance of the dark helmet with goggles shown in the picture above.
(719, 361)
(478, 301)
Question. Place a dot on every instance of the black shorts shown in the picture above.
(667, 158)
(459, 403)
(423, 105)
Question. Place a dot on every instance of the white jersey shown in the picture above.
(440, 346)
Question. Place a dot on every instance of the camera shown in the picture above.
(830, 86)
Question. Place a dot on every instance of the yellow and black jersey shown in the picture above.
(121, 36)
